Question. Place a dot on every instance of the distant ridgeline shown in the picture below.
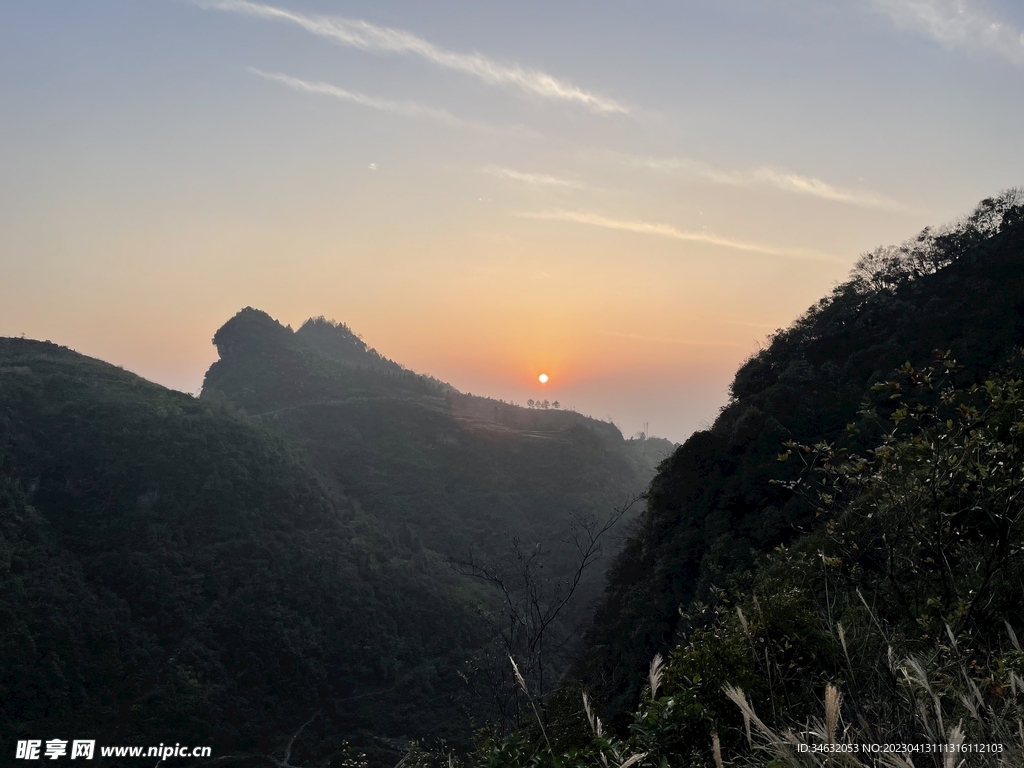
(712, 506)
(215, 571)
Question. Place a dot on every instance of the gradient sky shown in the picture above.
(628, 196)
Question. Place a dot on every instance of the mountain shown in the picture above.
(457, 472)
(512, 497)
(171, 571)
(722, 500)
(218, 571)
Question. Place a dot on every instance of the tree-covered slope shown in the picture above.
(171, 572)
(712, 505)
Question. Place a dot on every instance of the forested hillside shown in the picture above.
(172, 572)
(722, 497)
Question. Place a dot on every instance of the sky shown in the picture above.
(627, 196)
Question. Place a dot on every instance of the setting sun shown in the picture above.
(543, 378)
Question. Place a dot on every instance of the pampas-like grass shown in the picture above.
(654, 676)
(833, 700)
(716, 750)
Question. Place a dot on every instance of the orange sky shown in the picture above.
(484, 193)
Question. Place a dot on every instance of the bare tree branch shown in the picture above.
(534, 603)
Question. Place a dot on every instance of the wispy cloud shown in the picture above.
(538, 179)
(808, 185)
(669, 231)
(957, 23)
(406, 108)
(365, 36)
(780, 178)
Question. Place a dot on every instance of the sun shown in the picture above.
(543, 378)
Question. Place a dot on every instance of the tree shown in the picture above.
(930, 521)
(529, 628)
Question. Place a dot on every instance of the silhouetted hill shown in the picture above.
(712, 506)
(171, 571)
(461, 471)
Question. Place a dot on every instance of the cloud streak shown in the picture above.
(667, 230)
(405, 108)
(780, 178)
(956, 23)
(365, 36)
(537, 179)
